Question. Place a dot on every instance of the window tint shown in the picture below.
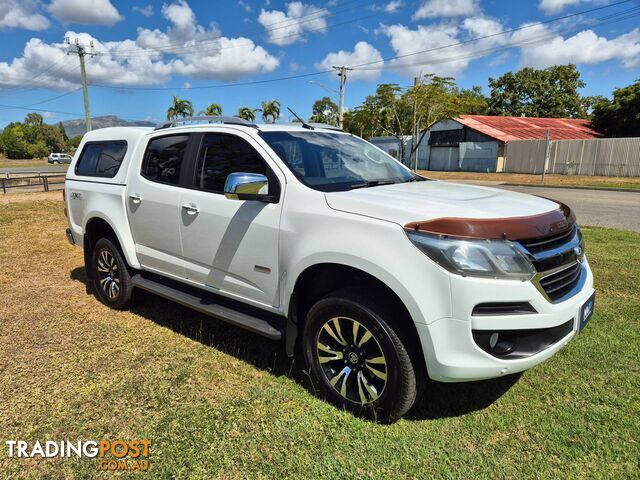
(164, 157)
(101, 159)
(221, 155)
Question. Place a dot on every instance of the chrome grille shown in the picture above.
(558, 260)
(558, 284)
(538, 245)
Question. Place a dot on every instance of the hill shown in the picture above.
(78, 127)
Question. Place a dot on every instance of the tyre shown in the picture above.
(111, 279)
(356, 358)
(56, 162)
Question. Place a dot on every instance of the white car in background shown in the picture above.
(57, 158)
(303, 233)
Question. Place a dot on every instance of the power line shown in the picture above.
(32, 86)
(266, 28)
(358, 66)
(480, 53)
(189, 49)
(504, 32)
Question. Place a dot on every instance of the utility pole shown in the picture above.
(415, 130)
(342, 73)
(546, 153)
(81, 51)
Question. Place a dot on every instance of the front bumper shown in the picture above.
(452, 354)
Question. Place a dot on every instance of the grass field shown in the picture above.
(216, 401)
(549, 180)
(31, 162)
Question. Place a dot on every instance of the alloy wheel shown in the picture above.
(108, 274)
(352, 360)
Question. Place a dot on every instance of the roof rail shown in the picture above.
(210, 119)
(325, 126)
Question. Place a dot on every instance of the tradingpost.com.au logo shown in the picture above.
(117, 455)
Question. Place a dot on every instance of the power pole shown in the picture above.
(81, 51)
(546, 153)
(342, 73)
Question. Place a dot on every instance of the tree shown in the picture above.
(619, 117)
(270, 111)
(324, 111)
(63, 131)
(213, 110)
(475, 102)
(34, 119)
(589, 103)
(13, 142)
(550, 92)
(247, 113)
(433, 99)
(72, 144)
(180, 108)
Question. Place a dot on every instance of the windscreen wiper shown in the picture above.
(372, 183)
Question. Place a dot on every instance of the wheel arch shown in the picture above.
(319, 279)
(98, 226)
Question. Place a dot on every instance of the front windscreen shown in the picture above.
(333, 162)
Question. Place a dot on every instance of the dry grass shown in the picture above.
(561, 180)
(218, 402)
(26, 162)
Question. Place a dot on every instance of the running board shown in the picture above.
(208, 307)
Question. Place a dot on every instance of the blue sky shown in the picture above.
(149, 51)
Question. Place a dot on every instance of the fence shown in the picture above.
(612, 157)
(23, 182)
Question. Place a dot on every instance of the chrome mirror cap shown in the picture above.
(246, 186)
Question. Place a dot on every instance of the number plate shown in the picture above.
(586, 311)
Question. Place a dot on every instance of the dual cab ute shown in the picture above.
(380, 278)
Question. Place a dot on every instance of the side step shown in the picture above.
(209, 307)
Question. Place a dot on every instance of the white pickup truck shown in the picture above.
(380, 278)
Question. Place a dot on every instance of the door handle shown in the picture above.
(135, 198)
(191, 208)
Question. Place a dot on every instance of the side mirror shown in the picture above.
(247, 186)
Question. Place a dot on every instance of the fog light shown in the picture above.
(501, 343)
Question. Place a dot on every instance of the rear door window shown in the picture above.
(101, 159)
(164, 158)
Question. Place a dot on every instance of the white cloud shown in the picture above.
(22, 14)
(86, 12)
(214, 55)
(247, 8)
(147, 10)
(362, 53)
(440, 43)
(393, 6)
(236, 58)
(48, 65)
(585, 47)
(551, 7)
(285, 28)
(184, 48)
(446, 8)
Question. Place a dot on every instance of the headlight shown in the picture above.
(478, 258)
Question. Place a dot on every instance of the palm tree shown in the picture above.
(212, 110)
(180, 108)
(246, 113)
(271, 110)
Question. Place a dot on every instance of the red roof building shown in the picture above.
(506, 129)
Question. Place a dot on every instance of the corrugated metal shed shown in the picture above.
(506, 129)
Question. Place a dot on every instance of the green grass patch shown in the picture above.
(219, 402)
